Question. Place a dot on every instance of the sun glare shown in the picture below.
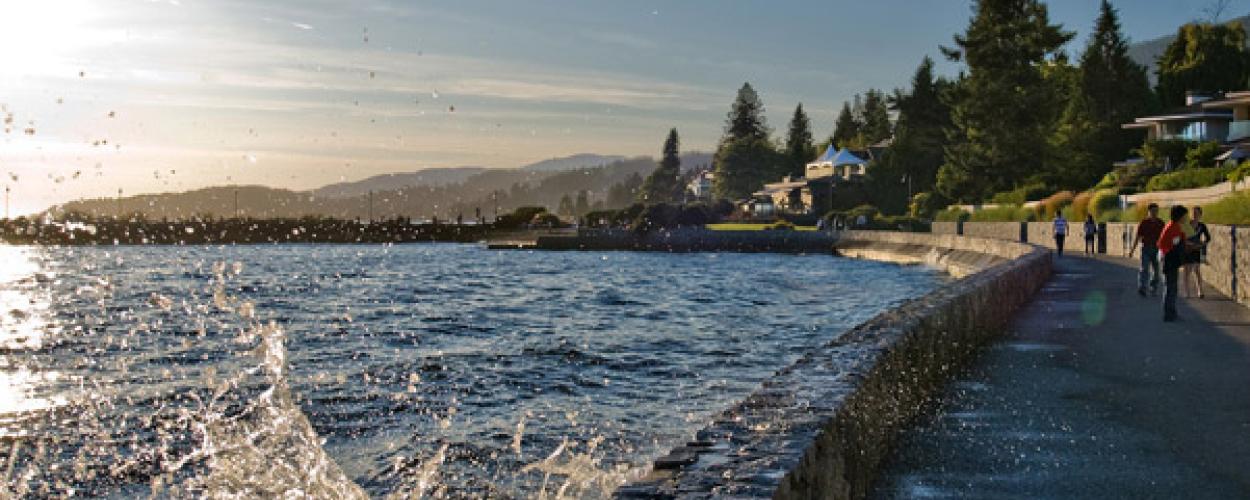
(38, 34)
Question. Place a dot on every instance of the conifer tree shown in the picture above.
(799, 147)
(1000, 133)
(746, 158)
(846, 128)
(664, 184)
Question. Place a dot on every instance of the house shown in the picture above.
(700, 188)
(813, 191)
(1201, 119)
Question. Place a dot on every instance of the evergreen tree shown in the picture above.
(1110, 89)
(799, 147)
(846, 128)
(745, 159)
(1000, 135)
(664, 184)
(911, 163)
(583, 203)
(1203, 56)
(566, 206)
(746, 117)
(876, 119)
(622, 194)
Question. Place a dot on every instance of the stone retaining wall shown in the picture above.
(693, 240)
(821, 427)
(994, 230)
(1227, 268)
(944, 227)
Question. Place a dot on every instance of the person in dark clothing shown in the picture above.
(1061, 232)
(1148, 231)
(1172, 243)
(1196, 253)
(1091, 231)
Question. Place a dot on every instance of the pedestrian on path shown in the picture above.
(1148, 232)
(1172, 243)
(1194, 257)
(1061, 232)
(1091, 231)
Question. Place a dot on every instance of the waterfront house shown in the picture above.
(808, 194)
(700, 188)
(1204, 117)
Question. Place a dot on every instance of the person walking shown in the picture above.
(1091, 231)
(1148, 231)
(1172, 243)
(1194, 257)
(1061, 232)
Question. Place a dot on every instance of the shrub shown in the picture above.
(1053, 204)
(952, 215)
(1103, 201)
(781, 226)
(1021, 194)
(1234, 209)
(868, 211)
(1080, 205)
(1239, 173)
(1166, 152)
(1188, 178)
(1003, 213)
(1202, 155)
(519, 217)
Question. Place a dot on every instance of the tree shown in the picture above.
(1203, 56)
(622, 194)
(566, 206)
(743, 166)
(999, 134)
(846, 128)
(745, 158)
(1109, 89)
(911, 163)
(664, 184)
(582, 206)
(875, 119)
(746, 116)
(799, 147)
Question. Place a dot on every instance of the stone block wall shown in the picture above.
(1242, 246)
(1120, 238)
(1010, 231)
(944, 228)
(1219, 271)
(821, 427)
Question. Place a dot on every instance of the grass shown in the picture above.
(734, 226)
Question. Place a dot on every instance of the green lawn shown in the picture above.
(751, 227)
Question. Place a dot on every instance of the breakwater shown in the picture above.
(821, 427)
(1227, 266)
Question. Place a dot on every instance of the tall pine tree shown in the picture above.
(745, 159)
(876, 119)
(911, 164)
(846, 127)
(664, 184)
(799, 147)
(1110, 89)
(1000, 133)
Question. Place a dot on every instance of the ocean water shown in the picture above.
(350, 371)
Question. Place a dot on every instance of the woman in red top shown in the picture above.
(1172, 246)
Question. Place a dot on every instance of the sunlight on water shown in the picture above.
(356, 372)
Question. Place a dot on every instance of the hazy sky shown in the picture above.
(150, 96)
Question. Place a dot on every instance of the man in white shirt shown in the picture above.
(1061, 232)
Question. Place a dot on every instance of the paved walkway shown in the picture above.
(1092, 396)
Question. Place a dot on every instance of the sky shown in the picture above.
(149, 96)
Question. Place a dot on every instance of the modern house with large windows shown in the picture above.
(1199, 120)
(1238, 103)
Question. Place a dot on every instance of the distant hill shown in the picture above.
(481, 191)
(427, 177)
(571, 162)
(1147, 53)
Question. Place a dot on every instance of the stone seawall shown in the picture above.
(1227, 268)
(693, 240)
(821, 427)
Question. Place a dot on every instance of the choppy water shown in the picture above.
(341, 371)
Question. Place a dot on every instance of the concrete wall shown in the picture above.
(693, 240)
(1228, 257)
(821, 427)
(944, 228)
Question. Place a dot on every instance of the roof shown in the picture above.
(1181, 114)
(827, 155)
(846, 157)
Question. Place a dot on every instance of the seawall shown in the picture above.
(1227, 267)
(692, 240)
(821, 427)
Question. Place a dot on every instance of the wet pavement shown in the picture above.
(1091, 395)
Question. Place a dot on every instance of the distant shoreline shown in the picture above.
(254, 232)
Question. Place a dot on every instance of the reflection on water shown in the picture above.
(346, 371)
